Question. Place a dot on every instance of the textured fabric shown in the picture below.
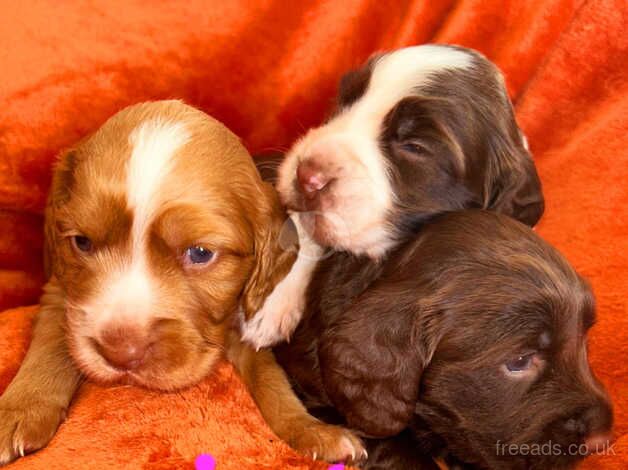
(269, 70)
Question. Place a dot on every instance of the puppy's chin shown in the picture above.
(324, 228)
(328, 229)
(193, 372)
(166, 368)
(496, 452)
(150, 375)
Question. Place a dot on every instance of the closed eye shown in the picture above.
(413, 147)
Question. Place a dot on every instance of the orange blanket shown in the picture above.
(268, 69)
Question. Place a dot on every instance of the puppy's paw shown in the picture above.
(269, 327)
(26, 426)
(330, 443)
(278, 317)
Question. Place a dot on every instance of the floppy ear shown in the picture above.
(59, 193)
(354, 83)
(512, 185)
(276, 246)
(372, 358)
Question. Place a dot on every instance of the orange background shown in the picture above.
(269, 70)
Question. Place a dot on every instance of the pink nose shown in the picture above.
(598, 443)
(123, 349)
(311, 178)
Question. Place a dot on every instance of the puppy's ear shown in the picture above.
(62, 181)
(512, 185)
(276, 247)
(372, 358)
(354, 83)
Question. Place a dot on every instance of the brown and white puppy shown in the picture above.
(417, 132)
(473, 335)
(159, 231)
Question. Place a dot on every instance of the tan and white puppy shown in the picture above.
(416, 132)
(159, 232)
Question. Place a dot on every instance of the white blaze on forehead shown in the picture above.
(130, 292)
(400, 73)
(154, 143)
(394, 76)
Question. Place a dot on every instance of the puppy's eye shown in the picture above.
(520, 363)
(198, 255)
(413, 147)
(82, 243)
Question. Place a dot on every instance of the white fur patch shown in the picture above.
(154, 143)
(126, 295)
(524, 141)
(400, 73)
(129, 293)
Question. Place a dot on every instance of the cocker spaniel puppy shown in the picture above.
(159, 231)
(470, 338)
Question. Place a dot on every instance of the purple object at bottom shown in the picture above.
(205, 462)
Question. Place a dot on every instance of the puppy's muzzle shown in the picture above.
(125, 349)
(311, 178)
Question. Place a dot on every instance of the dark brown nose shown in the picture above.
(123, 348)
(593, 426)
(311, 178)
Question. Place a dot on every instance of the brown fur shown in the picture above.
(420, 342)
(211, 197)
(35, 403)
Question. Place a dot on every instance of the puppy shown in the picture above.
(159, 231)
(472, 336)
(416, 132)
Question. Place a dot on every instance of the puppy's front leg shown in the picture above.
(284, 307)
(35, 402)
(286, 415)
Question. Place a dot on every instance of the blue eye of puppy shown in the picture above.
(198, 255)
(520, 363)
(82, 243)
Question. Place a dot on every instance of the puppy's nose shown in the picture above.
(598, 443)
(311, 178)
(123, 349)
(593, 425)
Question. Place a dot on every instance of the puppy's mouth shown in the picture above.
(319, 213)
(299, 200)
(325, 228)
(158, 369)
(157, 375)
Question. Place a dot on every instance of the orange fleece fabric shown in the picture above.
(269, 70)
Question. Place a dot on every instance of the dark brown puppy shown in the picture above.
(475, 331)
